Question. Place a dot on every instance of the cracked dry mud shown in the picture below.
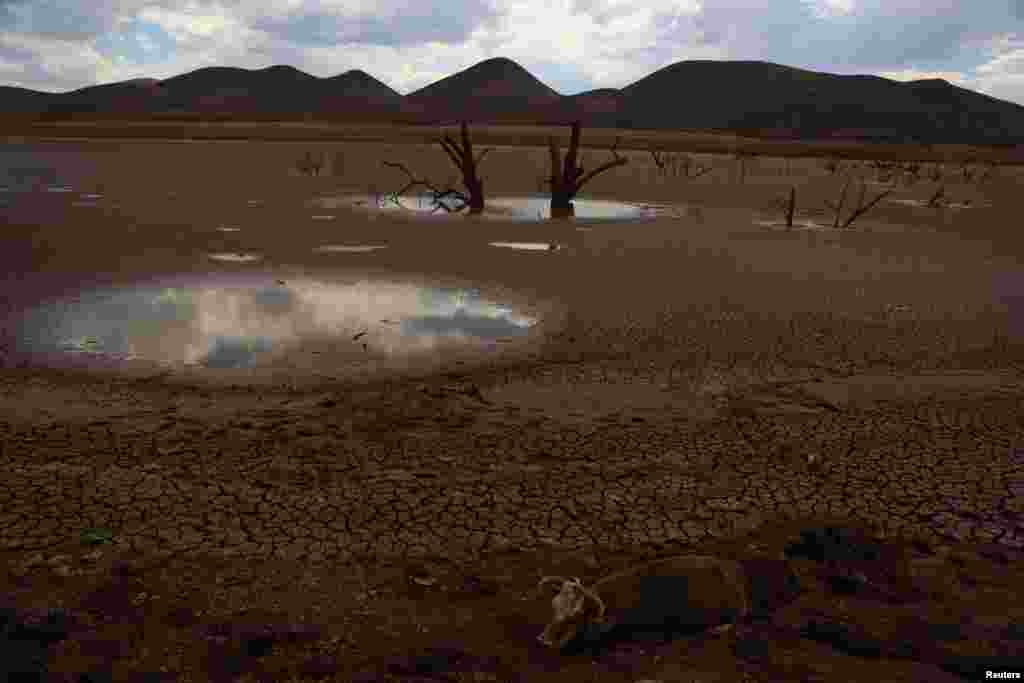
(410, 515)
(395, 530)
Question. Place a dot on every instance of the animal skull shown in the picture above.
(575, 606)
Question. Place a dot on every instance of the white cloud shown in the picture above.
(572, 45)
(954, 77)
(824, 9)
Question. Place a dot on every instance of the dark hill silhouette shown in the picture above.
(136, 95)
(602, 107)
(762, 95)
(750, 97)
(21, 100)
(277, 88)
(358, 83)
(497, 87)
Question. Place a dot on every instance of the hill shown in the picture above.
(748, 97)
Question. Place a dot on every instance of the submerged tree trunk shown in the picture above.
(566, 184)
(475, 188)
(561, 205)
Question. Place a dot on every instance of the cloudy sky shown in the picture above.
(572, 45)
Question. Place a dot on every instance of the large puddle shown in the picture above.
(237, 321)
(526, 208)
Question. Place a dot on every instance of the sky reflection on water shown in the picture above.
(218, 323)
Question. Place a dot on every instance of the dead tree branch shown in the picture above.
(936, 200)
(437, 195)
(860, 208)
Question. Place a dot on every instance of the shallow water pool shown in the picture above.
(238, 321)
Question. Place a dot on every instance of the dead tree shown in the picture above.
(741, 156)
(573, 177)
(462, 157)
(788, 205)
(791, 207)
(672, 164)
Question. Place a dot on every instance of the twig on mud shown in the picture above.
(860, 209)
(310, 165)
(791, 207)
(676, 165)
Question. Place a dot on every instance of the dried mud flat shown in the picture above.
(699, 388)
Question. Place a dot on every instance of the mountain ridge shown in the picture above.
(751, 97)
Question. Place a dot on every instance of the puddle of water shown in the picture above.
(526, 208)
(530, 246)
(799, 225)
(225, 229)
(967, 204)
(355, 248)
(236, 258)
(539, 207)
(245, 321)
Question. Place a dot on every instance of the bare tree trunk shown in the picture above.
(566, 184)
(462, 157)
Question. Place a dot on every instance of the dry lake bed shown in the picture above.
(277, 394)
